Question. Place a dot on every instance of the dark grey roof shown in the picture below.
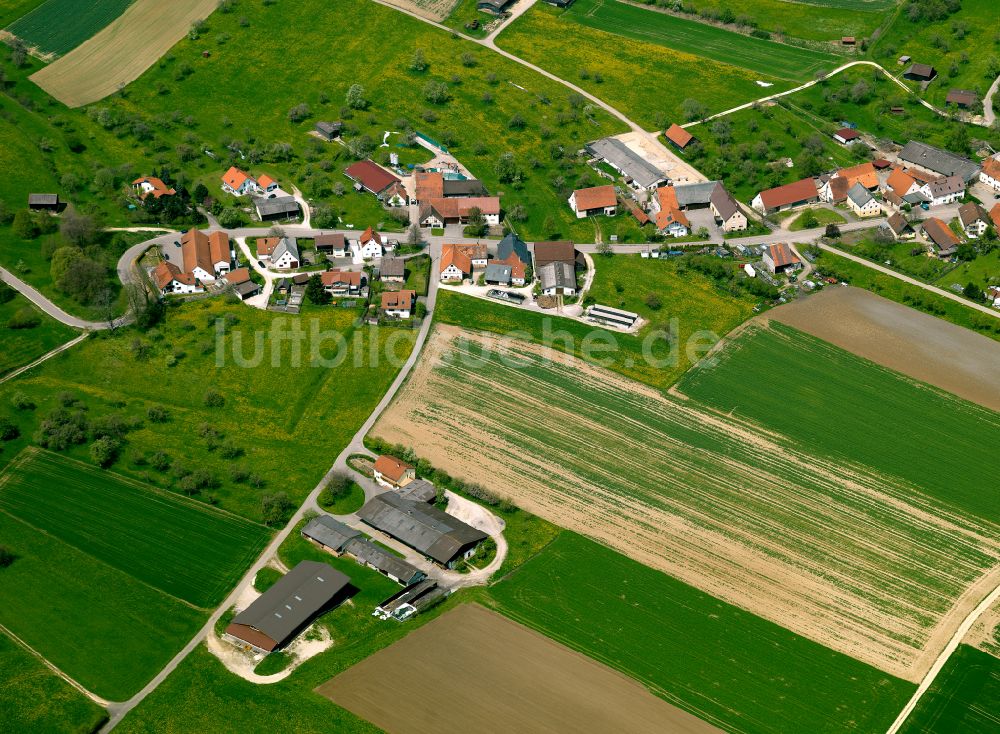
(557, 275)
(924, 70)
(394, 267)
(278, 205)
(463, 187)
(939, 161)
(329, 532)
(513, 243)
(43, 199)
(431, 531)
(723, 201)
(329, 127)
(382, 560)
(420, 490)
(898, 224)
(945, 186)
(497, 273)
(294, 599)
(630, 163)
(246, 288)
(859, 194)
(915, 198)
(285, 244)
(696, 194)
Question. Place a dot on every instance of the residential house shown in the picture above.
(169, 279)
(639, 173)
(455, 264)
(727, 212)
(901, 183)
(396, 195)
(944, 190)
(43, 202)
(678, 136)
(399, 304)
(974, 219)
(898, 227)
(863, 173)
(266, 184)
(920, 72)
(941, 162)
(392, 269)
(439, 536)
(152, 186)
(275, 617)
(371, 177)
(779, 258)
(334, 245)
(670, 220)
(846, 135)
(341, 283)
(557, 251)
(444, 211)
(238, 183)
(370, 244)
(280, 207)
(392, 472)
(286, 254)
(206, 257)
(478, 254)
(943, 242)
(990, 175)
(557, 279)
(834, 190)
(993, 296)
(594, 201)
(962, 98)
(786, 197)
(862, 203)
(512, 251)
(329, 130)
(265, 246)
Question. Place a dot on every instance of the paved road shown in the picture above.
(989, 116)
(48, 306)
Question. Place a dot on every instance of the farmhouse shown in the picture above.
(678, 136)
(920, 73)
(990, 175)
(343, 282)
(392, 472)
(557, 251)
(938, 161)
(238, 183)
(862, 203)
(439, 536)
(901, 183)
(286, 254)
(962, 98)
(282, 611)
(846, 135)
(974, 219)
(455, 264)
(863, 173)
(41, 202)
(670, 220)
(638, 172)
(834, 190)
(444, 211)
(392, 269)
(557, 279)
(371, 177)
(898, 227)
(594, 201)
(329, 130)
(280, 207)
(944, 190)
(512, 251)
(169, 279)
(431, 185)
(152, 186)
(398, 304)
(943, 241)
(206, 257)
(329, 534)
(727, 212)
(334, 244)
(779, 258)
(786, 197)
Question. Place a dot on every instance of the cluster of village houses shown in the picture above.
(405, 513)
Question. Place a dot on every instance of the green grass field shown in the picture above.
(59, 26)
(821, 215)
(825, 386)
(182, 547)
(962, 699)
(14, 9)
(104, 628)
(790, 63)
(984, 271)
(33, 698)
(727, 666)
(22, 346)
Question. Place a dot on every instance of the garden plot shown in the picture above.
(850, 556)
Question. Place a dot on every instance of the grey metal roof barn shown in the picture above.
(328, 532)
(420, 490)
(939, 161)
(280, 207)
(428, 529)
(463, 187)
(284, 609)
(556, 275)
(43, 200)
(631, 165)
(695, 194)
(382, 560)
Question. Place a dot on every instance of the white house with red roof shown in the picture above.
(239, 183)
(392, 472)
(266, 184)
(990, 175)
(152, 186)
(169, 279)
(369, 245)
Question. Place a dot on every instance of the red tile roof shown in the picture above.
(266, 245)
(344, 277)
(234, 178)
(791, 193)
(159, 188)
(863, 173)
(370, 234)
(991, 167)
(389, 466)
(670, 210)
(428, 186)
(398, 300)
(678, 136)
(240, 275)
(167, 272)
(264, 181)
(596, 197)
(782, 255)
(939, 233)
(899, 182)
(370, 175)
(995, 215)
(848, 134)
(452, 255)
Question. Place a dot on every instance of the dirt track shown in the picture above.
(472, 670)
(121, 52)
(919, 345)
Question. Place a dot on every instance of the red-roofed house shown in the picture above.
(846, 135)
(391, 472)
(786, 197)
(266, 184)
(370, 177)
(678, 136)
(343, 282)
(398, 304)
(995, 216)
(670, 219)
(206, 257)
(779, 258)
(901, 183)
(169, 279)
(238, 183)
(370, 244)
(593, 201)
(990, 175)
(439, 212)
(150, 185)
(943, 242)
(455, 263)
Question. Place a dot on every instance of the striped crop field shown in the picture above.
(184, 548)
(849, 555)
(59, 26)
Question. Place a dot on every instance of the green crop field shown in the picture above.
(816, 21)
(723, 664)
(21, 346)
(790, 63)
(14, 9)
(34, 699)
(182, 547)
(963, 698)
(59, 26)
(824, 386)
(102, 627)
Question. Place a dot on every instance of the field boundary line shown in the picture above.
(51, 353)
(517, 568)
(51, 666)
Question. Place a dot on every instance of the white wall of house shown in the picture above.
(399, 313)
(559, 291)
(676, 229)
(203, 276)
(736, 223)
(452, 273)
(993, 183)
(175, 286)
(431, 221)
(976, 229)
(947, 199)
(870, 209)
(285, 261)
(371, 249)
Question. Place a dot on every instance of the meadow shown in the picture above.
(196, 552)
(725, 665)
(58, 26)
(14, 9)
(22, 346)
(725, 504)
(104, 628)
(963, 697)
(33, 698)
(639, 78)
(264, 441)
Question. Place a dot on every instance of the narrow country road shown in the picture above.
(61, 348)
(989, 116)
(49, 307)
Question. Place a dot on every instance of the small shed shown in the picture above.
(920, 72)
(48, 202)
(847, 41)
(329, 130)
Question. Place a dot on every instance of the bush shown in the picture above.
(275, 508)
(62, 429)
(214, 399)
(158, 414)
(7, 556)
(104, 451)
(160, 461)
(20, 401)
(338, 487)
(24, 318)
(8, 429)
